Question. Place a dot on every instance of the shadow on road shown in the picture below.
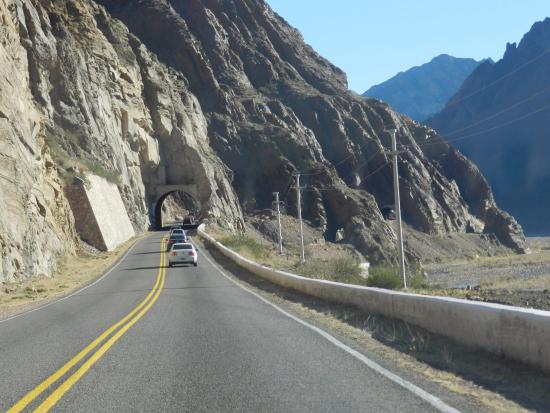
(145, 268)
(517, 382)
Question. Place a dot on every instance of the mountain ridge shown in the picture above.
(423, 90)
(498, 119)
(220, 94)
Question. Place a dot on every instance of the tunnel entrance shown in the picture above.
(175, 203)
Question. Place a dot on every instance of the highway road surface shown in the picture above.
(147, 338)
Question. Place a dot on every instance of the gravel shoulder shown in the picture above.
(73, 272)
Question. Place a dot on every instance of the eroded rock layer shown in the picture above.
(221, 94)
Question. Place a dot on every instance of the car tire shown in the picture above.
(195, 264)
(170, 264)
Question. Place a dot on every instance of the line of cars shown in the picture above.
(180, 248)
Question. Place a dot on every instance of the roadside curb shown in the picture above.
(518, 333)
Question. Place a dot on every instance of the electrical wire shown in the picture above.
(336, 165)
(362, 180)
(497, 114)
(517, 69)
(454, 102)
(485, 130)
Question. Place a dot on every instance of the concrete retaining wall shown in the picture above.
(518, 333)
(101, 218)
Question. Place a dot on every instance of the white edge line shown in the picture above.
(422, 394)
(74, 292)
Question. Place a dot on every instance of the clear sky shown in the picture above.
(372, 40)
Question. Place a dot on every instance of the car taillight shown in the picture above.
(173, 253)
(192, 253)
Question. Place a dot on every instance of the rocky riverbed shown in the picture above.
(521, 280)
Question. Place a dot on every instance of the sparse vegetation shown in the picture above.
(245, 245)
(388, 277)
(341, 269)
(384, 277)
(71, 168)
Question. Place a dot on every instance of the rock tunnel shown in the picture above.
(184, 199)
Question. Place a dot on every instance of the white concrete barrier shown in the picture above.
(518, 333)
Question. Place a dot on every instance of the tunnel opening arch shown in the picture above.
(189, 192)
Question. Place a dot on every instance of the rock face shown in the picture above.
(423, 91)
(500, 119)
(221, 94)
(35, 221)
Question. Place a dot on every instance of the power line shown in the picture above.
(336, 165)
(421, 145)
(450, 141)
(485, 130)
(334, 188)
(454, 102)
(498, 113)
(288, 186)
(517, 69)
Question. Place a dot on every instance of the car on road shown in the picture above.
(176, 230)
(175, 239)
(183, 253)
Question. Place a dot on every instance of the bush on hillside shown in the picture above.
(245, 245)
(384, 277)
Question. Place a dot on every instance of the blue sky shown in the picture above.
(372, 40)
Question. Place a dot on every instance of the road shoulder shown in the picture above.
(74, 274)
(471, 380)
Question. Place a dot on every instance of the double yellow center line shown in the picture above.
(116, 331)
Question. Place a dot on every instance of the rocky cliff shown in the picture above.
(423, 91)
(222, 94)
(499, 119)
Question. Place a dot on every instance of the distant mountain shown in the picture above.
(500, 119)
(423, 91)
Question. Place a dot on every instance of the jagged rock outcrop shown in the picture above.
(422, 91)
(499, 119)
(35, 221)
(226, 95)
(79, 93)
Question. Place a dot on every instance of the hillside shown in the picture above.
(221, 94)
(423, 91)
(500, 120)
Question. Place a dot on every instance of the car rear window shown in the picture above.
(177, 236)
(183, 247)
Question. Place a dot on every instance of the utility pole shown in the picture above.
(398, 209)
(299, 197)
(278, 205)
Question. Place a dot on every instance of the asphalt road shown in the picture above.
(200, 344)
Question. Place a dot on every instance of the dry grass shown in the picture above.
(73, 272)
(416, 351)
(513, 283)
(322, 261)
